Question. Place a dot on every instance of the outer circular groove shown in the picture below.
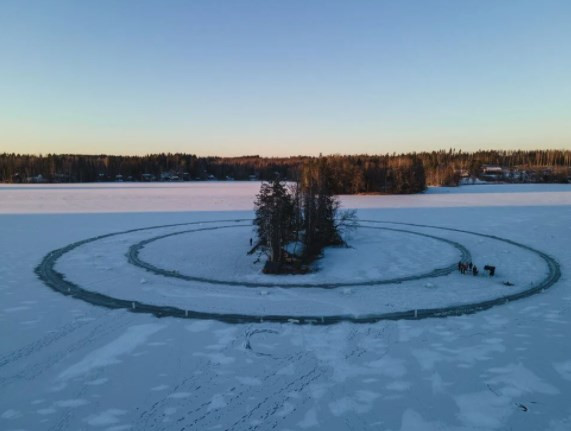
(56, 281)
(134, 258)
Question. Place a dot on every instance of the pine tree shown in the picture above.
(274, 219)
(320, 208)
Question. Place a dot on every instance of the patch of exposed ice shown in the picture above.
(179, 395)
(249, 381)
(309, 419)
(217, 402)
(10, 414)
(413, 421)
(199, 325)
(71, 403)
(563, 368)
(107, 417)
(160, 388)
(390, 367)
(110, 353)
(98, 382)
(360, 402)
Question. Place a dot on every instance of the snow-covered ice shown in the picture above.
(65, 364)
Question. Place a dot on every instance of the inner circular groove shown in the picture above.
(134, 258)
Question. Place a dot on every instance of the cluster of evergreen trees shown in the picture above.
(275, 220)
(295, 222)
(396, 173)
(352, 174)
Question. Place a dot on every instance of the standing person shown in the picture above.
(474, 270)
(250, 242)
(491, 269)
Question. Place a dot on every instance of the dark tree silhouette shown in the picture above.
(389, 173)
(320, 208)
(306, 213)
(274, 219)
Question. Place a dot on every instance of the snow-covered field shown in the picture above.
(67, 364)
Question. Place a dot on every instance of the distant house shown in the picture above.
(37, 179)
(492, 173)
(462, 173)
(492, 170)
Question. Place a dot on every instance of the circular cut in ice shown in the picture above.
(378, 255)
(456, 295)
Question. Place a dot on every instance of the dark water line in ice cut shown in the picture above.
(56, 281)
(134, 258)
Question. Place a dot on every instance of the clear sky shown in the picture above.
(284, 77)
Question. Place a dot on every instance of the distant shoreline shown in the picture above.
(388, 174)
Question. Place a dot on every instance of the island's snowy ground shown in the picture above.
(65, 364)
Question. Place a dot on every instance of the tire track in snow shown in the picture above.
(41, 343)
(237, 409)
(235, 398)
(29, 370)
(267, 408)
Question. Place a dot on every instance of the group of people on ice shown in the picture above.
(466, 268)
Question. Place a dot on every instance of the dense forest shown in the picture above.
(389, 173)
(448, 168)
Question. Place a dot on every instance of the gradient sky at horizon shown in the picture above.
(283, 78)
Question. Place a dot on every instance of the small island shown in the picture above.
(296, 221)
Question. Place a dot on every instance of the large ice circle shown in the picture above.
(95, 270)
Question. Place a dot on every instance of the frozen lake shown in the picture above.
(69, 365)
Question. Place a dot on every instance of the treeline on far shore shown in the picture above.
(389, 173)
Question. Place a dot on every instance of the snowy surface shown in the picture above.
(238, 196)
(374, 254)
(67, 365)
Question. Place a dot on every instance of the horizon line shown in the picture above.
(394, 153)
